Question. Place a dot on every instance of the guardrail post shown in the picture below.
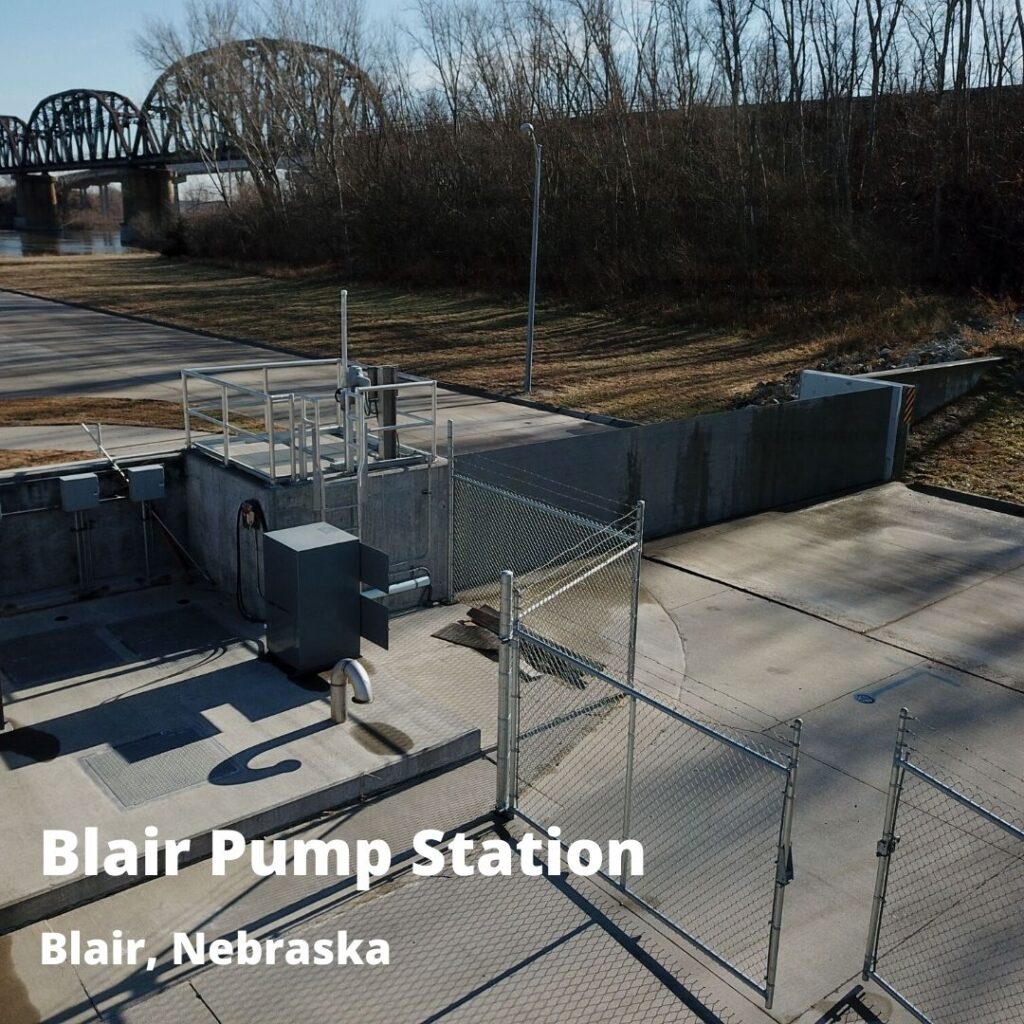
(783, 865)
(886, 845)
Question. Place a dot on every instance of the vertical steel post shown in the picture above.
(268, 422)
(224, 422)
(451, 511)
(433, 422)
(185, 410)
(531, 312)
(887, 844)
(783, 864)
(145, 539)
(634, 609)
(344, 338)
(361, 467)
(292, 439)
(627, 807)
(318, 470)
(505, 654)
(514, 700)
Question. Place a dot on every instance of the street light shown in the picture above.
(527, 129)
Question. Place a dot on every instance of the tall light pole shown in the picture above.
(527, 129)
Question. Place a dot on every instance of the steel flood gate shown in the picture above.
(946, 938)
(581, 749)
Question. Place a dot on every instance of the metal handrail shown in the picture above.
(304, 413)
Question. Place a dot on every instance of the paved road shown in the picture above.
(48, 348)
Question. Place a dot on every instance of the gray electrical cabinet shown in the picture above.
(315, 610)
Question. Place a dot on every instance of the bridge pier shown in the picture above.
(148, 197)
(36, 206)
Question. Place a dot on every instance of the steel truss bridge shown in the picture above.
(201, 110)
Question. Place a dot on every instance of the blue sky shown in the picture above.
(51, 45)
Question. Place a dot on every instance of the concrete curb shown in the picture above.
(1009, 508)
(465, 389)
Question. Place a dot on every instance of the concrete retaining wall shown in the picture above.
(938, 383)
(711, 468)
(38, 560)
(405, 513)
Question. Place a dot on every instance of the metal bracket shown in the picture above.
(886, 847)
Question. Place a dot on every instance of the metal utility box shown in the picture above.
(79, 492)
(311, 586)
(145, 483)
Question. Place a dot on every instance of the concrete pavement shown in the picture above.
(925, 575)
(159, 713)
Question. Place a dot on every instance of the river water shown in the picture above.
(58, 243)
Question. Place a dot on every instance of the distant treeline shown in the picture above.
(687, 144)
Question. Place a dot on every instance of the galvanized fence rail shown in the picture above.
(946, 938)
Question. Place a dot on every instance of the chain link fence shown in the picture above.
(947, 927)
(581, 748)
(604, 761)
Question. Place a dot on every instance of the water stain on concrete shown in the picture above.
(381, 738)
(14, 999)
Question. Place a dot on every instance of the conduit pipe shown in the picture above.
(348, 670)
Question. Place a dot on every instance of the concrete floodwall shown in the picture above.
(711, 468)
(38, 552)
(937, 384)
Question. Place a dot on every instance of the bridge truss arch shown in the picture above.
(84, 128)
(13, 135)
(262, 99)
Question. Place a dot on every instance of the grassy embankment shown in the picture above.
(635, 363)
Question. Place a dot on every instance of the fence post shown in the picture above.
(185, 409)
(507, 655)
(783, 864)
(627, 808)
(886, 845)
(635, 605)
(451, 511)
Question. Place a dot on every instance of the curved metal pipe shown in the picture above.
(348, 670)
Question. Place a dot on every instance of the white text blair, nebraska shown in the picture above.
(75, 949)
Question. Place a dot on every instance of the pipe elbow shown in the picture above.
(351, 671)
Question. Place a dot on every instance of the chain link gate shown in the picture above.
(582, 749)
(946, 938)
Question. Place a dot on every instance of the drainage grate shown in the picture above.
(57, 654)
(146, 769)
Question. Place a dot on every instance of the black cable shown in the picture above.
(250, 516)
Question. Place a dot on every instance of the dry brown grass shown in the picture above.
(23, 458)
(72, 409)
(639, 363)
(976, 444)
